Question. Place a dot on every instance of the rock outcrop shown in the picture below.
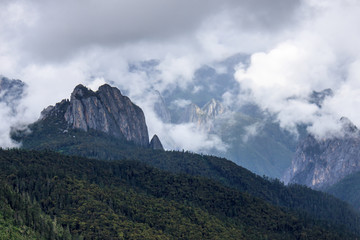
(161, 109)
(319, 163)
(202, 117)
(105, 110)
(155, 143)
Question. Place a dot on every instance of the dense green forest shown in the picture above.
(94, 199)
(22, 218)
(50, 134)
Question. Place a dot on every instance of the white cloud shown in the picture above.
(321, 53)
(299, 46)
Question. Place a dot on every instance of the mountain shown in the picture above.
(94, 199)
(11, 91)
(202, 117)
(155, 143)
(302, 201)
(320, 163)
(255, 143)
(52, 131)
(318, 98)
(105, 110)
(161, 109)
(347, 189)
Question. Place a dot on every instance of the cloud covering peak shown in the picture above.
(296, 47)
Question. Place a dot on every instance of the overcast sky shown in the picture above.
(297, 46)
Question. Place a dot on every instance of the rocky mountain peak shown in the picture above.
(347, 126)
(204, 116)
(319, 163)
(160, 108)
(80, 91)
(105, 110)
(155, 143)
(213, 108)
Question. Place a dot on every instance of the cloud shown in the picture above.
(296, 46)
(320, 53)
(59, 29)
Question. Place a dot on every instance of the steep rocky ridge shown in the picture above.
(319, 163)
(161, 109)
(155, 143)
(202, 117)
(105, 110)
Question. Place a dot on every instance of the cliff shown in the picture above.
(319, 163)
(105, 110)
(202, 117)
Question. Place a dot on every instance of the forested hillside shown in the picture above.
(49, 134)
(128, 200)
(348, 189)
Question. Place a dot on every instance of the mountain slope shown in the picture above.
(128, 200)
(22, 218)
(304, 201)
(258, 145)
(52, 132)
(347, 189)
(320, 163)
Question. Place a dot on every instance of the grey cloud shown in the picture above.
(64, 27)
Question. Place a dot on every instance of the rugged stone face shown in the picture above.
(319, 163)
(105, 110)
(213, 108)
(202, 117)
(160, 108)
(155, 143)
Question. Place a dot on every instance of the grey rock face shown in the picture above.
(160, 108)
(321, 163)
(105, 110)
(203, 116)
(155, 143)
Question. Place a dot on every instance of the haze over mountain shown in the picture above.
(259, 82)
(287, 52)
(319, 214)
(320, 163)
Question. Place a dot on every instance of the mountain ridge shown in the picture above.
(320, 163)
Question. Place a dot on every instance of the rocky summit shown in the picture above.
(155, 143)
(319, 163)
(105, 110)
(202, 117)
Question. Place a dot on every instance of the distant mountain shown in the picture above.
(161, 109)
(319, 97)
(255, 143)
(252, 139)
(202, 117)
(347, 189)
(320, 163)
(11, 91)
(54, 132)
